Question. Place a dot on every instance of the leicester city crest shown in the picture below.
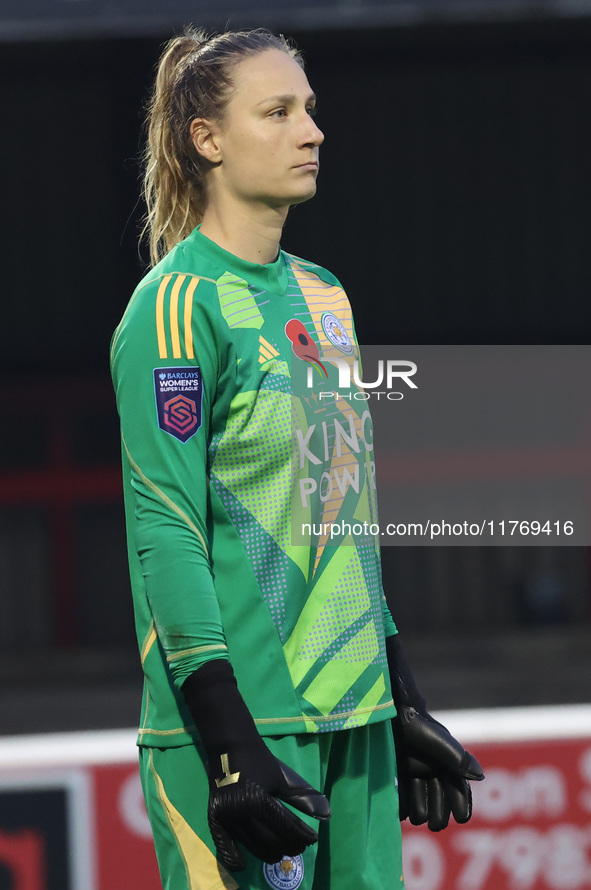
(336, 333)
(285, 875)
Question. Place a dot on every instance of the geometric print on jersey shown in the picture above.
(372, 572)
(275, 380)
(253, 459)
(329, 687)
(363, 645)
(321, 297)
(370, 503)
(369, 701)
(275, 366)
(346, 705)
(345, 471)
(334, 606)
(268, 561)
(237, 304)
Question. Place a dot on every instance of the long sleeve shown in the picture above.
(165, 379)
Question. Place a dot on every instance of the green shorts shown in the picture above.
(358, 849)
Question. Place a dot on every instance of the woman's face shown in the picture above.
(268, 141)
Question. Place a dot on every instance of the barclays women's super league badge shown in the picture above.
(285, 875)
(179, 393)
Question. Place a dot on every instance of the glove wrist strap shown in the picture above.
(404, 688)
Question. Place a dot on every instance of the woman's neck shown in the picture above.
(252, 236)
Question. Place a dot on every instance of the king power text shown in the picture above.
(322, 441)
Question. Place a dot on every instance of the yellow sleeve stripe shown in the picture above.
(174, 317)
(188, 317)
(197, 650)
(148, 642)
(147, 730)
(162, 351)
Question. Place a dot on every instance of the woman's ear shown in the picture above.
(204, 137)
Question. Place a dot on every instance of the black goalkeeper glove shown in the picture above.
(246, 782)
(433, 769)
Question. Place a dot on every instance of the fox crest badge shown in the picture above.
(285, 875)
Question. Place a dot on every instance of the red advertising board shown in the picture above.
(125, 853)
(82, 825)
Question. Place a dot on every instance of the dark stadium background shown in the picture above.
(454, 204)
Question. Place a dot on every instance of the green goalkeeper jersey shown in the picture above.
(249, 489)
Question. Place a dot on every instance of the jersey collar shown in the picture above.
(268, 276)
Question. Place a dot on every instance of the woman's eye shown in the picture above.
(279, 112)
(312, 110)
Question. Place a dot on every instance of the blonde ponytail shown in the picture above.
(173, 201)
(193, 79)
